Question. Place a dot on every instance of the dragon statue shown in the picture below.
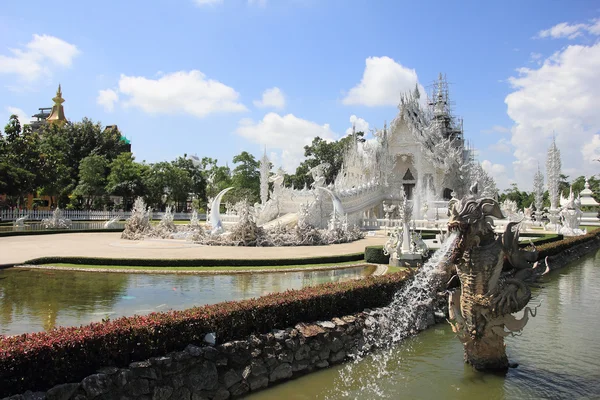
(494, 273)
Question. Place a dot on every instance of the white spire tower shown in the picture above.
(553, 166)
(265, 171)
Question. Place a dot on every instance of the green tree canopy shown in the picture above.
(92, 178)
(126, 179)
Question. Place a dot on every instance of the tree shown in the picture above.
(198, 185)
(217, 177)
(19, 161)
(92, 178)
(245, 178)
(64, 147)
(125, 178)
(323, 151)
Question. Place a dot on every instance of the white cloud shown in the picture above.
(591, 150)
(382, 83)
(496, 129)
(272, 97)
(560, 97)
(502, 146)
(181, 92)
(107, 99)
(22, 115)
(359, 124)
(201, 3)
(288, 134)
(498, 172)
(38, 57)
(570, 31)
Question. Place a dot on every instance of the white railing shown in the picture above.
(80, 215)
(384, 223)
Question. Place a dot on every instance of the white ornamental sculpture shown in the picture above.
(265, 170)
(553, 171)
(571, 215)
(538, 190)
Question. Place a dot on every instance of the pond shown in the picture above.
(34, 300)
(558, 355)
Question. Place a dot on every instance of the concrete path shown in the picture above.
(18, 249)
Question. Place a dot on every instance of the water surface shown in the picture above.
(558, 355)
(34, 300)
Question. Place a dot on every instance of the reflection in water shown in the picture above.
(558, 355)
(35, 300)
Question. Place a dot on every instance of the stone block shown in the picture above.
(336, 345)
(182, 393)
(162, 393)
(337, 356)
(282, 371)
(285, 356)
(203, 377)
(95, 385)
(143, 370)
(161, 361)
(239, 389)
(326, 324)
(258, 382)
(291, 344)
(231, 377)
(302, 353)
(322, 364)
(300, 365)
(324, 354)
(62, 392)
(193, 351)
(138, 387)
(29, 395)
(122, 378)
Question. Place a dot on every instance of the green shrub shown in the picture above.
(57, 231)
(198, 262)
(554, 248)
(38, 361)
(374, 254)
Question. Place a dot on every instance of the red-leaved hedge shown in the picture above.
(38, 361)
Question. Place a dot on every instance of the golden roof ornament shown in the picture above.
(57, 115)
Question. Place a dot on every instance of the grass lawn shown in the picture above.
(203, 268)
(589, 228)
(392, 270)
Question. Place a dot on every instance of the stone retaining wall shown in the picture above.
(224, 371)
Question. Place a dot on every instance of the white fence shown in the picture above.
(384, 223)
(77, 215)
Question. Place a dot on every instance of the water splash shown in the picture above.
(411, 311)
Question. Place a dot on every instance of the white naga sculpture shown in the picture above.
(215, 213)
(20, 222)
(570, 215)
(112, 223)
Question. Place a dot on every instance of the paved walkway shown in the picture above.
(18, 249)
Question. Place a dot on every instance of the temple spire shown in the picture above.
(57, 115)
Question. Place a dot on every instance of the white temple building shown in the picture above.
(421, 153)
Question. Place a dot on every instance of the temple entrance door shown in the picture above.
(408, 190)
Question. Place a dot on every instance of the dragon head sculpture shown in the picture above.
(472, 219)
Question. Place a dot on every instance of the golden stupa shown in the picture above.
(57, 116)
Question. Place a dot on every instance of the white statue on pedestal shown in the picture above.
(570, 215)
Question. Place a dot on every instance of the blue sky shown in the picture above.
(188, 76)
